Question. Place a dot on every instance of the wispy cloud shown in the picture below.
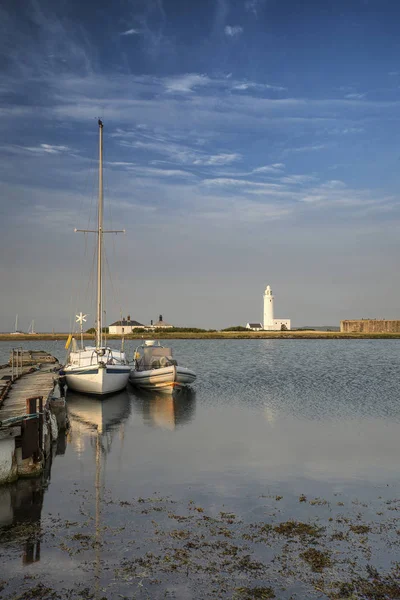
(130, 32)
(311, 148)
(185, 83)
(346, 130)
(233, 30)
(334, 184)
(275, 168)
(355, 96)
(298, 179)
(218, 159)
(250, 85)
(253, 6)
(176, 152)
(47, 149)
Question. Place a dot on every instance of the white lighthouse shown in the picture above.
(268, 309)
(271, 324)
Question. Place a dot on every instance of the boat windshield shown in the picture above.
(154, 357)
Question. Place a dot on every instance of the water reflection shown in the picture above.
(165, 411)
(102, 419)
(21, 505)
(101, 416)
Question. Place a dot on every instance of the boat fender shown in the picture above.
(163, 361)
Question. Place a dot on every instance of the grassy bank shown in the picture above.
(215, 335)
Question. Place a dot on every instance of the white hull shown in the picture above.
(97, 380)
(164, 379)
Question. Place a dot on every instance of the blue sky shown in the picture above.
(246, 142)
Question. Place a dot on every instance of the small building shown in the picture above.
(160, 324)
(254, 326)
(124, 326)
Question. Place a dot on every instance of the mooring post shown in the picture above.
(32, 431)
(12, 365)
(41, 419)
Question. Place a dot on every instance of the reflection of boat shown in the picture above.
(99, 415)
(155, 369)
(97, 369)
(166, 412)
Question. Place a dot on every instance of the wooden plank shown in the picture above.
(39, 382)
(7, 432)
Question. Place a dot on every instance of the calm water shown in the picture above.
(266, 422)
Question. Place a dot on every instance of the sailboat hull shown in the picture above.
(97, 380)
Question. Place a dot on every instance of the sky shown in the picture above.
(246, 143)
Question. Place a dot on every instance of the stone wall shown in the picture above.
(370, 326)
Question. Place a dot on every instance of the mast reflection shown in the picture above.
(102, 418)
(165, 411)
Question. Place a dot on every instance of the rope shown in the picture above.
(28, 417)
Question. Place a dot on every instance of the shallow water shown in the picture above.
(272, 430)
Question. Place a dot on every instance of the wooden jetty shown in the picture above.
(32, 412)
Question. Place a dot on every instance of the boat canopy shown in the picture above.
(151, 356)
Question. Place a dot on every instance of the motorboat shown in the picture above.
(96, 369)
(155, 369)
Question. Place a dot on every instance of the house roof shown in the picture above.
(161, 324)
(125, 323)
(254, 325)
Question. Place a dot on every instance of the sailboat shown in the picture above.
(96, 369)
(16, 331)
(31, 329)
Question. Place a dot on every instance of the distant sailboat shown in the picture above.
(31, 329)
(97, 369)
(16, 332)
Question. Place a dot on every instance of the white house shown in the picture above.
(160, 324)
(124, 326)
(271, 324)
(254, 326)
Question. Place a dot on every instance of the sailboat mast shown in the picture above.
(99, 321)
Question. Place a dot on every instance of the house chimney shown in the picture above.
(160, 319)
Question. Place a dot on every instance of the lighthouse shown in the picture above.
(268, 309)
(270, 323)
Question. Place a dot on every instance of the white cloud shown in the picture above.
(48, 149)
(298, 179)
(130, 32)
(241, 183)
(233, 31)
(355, 96)
(185, 83)
(250, 85)
(311, 148)
(253, 5)
(218, 159)
(275, 168)
(334, 184)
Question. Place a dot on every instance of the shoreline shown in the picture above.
(215, 335)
